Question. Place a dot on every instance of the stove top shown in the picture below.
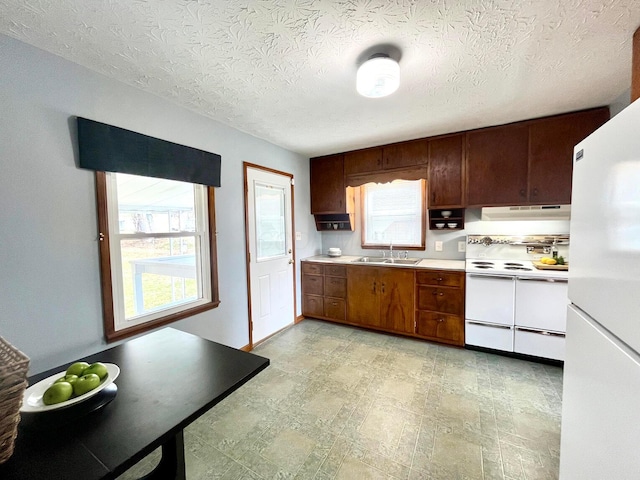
(508, 267)
(513, 255)
(499, 266)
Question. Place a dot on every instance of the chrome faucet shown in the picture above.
(390, 249)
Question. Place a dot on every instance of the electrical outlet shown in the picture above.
(462, 246)
(438, 246)
(298, 235)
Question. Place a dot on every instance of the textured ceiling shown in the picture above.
(284, 70)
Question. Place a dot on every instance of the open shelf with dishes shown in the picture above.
(446, 219)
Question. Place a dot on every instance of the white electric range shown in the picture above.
(511, 305)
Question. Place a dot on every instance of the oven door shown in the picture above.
(489, 311)
(490, 298)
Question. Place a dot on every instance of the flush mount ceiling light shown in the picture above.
(378, 77)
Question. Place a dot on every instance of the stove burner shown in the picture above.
(509, 264)
(517, 268)
(482, 263)
(484, 266)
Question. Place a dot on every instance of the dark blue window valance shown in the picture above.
(107, 148)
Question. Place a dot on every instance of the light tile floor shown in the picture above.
(347, 404)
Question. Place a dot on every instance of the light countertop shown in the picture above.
(427, 263)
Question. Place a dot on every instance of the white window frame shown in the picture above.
(369, 242)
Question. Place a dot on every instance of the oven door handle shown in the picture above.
(490, 325)
(502, 277)
(546, 333)
(552, 280)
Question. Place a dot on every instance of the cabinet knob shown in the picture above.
(440, 320)
(441, 294)
(522, 192)
(440, 279)
(535, 192)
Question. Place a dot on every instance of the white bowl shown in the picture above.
(452, 225)
(439, 225)
(446, 213)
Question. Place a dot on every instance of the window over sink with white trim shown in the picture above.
(393, 214)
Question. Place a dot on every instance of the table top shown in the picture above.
(168, 378)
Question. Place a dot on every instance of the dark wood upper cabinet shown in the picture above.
(551, 153)
(363, 161)
(446, 176)
(406, 154)
(497, 165)
(328, 192)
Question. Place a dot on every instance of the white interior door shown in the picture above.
(270, 228)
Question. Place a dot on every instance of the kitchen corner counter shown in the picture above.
(426, 263)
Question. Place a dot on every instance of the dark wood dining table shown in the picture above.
(168, 378)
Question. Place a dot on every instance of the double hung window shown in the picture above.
(157, 251)
(393, 214)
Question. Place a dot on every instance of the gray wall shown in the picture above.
(50, 304)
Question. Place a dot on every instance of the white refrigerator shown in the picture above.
(600, 437)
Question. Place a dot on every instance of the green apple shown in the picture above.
(77, 368)
(68, 378)
(86, 383)
(58, 392)
(98, 368)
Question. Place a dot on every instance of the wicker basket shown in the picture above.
(14, 366)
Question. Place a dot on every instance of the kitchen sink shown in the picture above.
(388, 261)
(403, 261)
(371, 260)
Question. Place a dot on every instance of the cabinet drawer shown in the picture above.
(445, 299)
(312, 268)
(312, 284)
(335, 270)
(335, 287)
(312, 305)
(335, 308)
(447, 279)
(440, 325)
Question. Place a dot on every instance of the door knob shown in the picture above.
(290, 261)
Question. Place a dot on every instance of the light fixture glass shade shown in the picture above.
(378, 77)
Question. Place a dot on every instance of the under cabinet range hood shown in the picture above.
(531, 212)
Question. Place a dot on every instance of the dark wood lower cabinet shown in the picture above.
(381, 298)
(324, 290)
(440, 306)
(420, 303)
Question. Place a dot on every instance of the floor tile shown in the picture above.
(345, 403)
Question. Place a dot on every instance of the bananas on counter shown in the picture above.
(552, 261)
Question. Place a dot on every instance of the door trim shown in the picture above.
(246, 166)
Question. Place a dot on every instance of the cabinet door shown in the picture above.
(406, 154)
(551, 153)
(396, 299)
(312, 306)
(440, 299)
(497, 162)
(328, 192)
(440, 326)
(363, 304)
(362, 161)
(446, 178)
(313, 284)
